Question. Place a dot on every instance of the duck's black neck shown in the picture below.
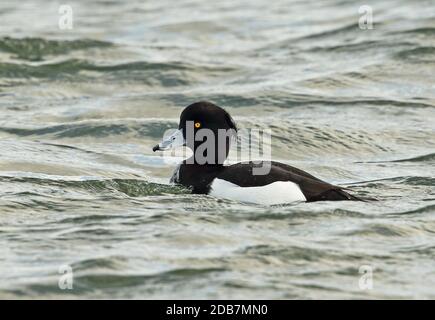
(213, 151)
(198, 176)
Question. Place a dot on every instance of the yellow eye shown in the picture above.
(197, 125)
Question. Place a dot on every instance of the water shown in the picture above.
(82, 108)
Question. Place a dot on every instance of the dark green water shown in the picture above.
(81, 109)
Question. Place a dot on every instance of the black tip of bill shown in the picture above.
(156, 148)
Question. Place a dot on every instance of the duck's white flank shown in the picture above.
(278, 192)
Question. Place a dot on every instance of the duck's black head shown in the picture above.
(205, 128)
(206, 115)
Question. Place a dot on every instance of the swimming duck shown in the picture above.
(201, 126)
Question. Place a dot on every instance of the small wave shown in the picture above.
(34, 49)
(406, 180)
(338, 80)
(89, 219)
(418, 181)
(419, 31)
(351, 47)
(86, 281)
(424, 158)
(350, 28)
(309, 139)
(385, 231)
(362, 47)
(419, 54)
(286, 100)
(425, 209)
(110, 280)
(230, 100)
(129, 187)
(73, 66)
(168, 74)
(296, 253)
(108, 263)
(92, 129)
(291, 211)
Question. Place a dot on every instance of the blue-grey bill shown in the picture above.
(172, 141)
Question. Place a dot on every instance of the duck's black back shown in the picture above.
(200, 178)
